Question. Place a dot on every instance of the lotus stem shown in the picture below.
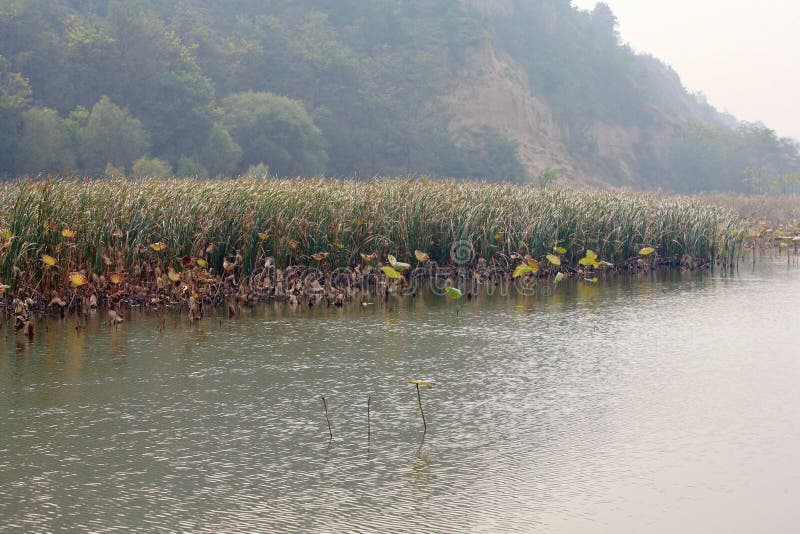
(328, 419)
(422, 413)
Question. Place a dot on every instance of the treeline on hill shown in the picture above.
(340, 87)
(214, 87)
(574, 59)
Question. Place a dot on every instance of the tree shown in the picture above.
(277, 131)
(158, 79)
(15, 95)
(45, 144)
(191, 167)
(151, 168)
(220, 154)
(112, 136)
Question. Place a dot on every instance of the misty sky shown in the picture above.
(742, 54)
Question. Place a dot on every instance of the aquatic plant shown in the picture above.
(418, 384)
(188, 237)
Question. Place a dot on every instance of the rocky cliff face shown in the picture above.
(494, 94)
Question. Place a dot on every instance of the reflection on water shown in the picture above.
(653, 403)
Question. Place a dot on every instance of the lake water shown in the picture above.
(653, 403)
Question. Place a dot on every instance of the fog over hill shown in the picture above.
(525, 90)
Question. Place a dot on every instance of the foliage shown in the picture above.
(355, 89)
(14, 98)
(220, 155)
(111, 136)
(45, 144)
(190, 167)
(277, 131)
(293, 219)
(257, 171)
(150, 168)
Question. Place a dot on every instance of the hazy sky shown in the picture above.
(744, 55)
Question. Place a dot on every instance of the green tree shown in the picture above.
(277, 131)
(45, 144)
(112, 136)
(15, 95)
(220, 154)
(190, 166)
(151, 168)
(157, 78)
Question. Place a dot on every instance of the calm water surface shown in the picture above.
(644, 404)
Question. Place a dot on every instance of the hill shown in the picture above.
(497, 89)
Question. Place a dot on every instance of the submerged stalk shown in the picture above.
(328, 419)
(422, 413)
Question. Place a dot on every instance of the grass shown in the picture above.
(771, 210)
(245, 221)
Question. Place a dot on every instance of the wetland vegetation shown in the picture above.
(74, 244)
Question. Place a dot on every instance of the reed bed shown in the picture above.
(51, 229)
(770, 210)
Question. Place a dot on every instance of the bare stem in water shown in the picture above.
(328, 419)
(419, 400)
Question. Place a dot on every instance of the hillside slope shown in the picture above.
(597, 111)
(496, 89)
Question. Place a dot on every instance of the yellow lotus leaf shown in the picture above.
(263, 236)
(173, 275)
(454, 293)
(590, 260)
(116, 278)
(391, 273)
(532, 263)
(559, 250)
(158, 246)
(522, 269)
(399, 265)
(422, 383)
(552, 258)
(646, 251)
(49, 260)
(319, 256)
(201, 262)
(77, 279)
(559, 277)
(69, 234)
(422, 257)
